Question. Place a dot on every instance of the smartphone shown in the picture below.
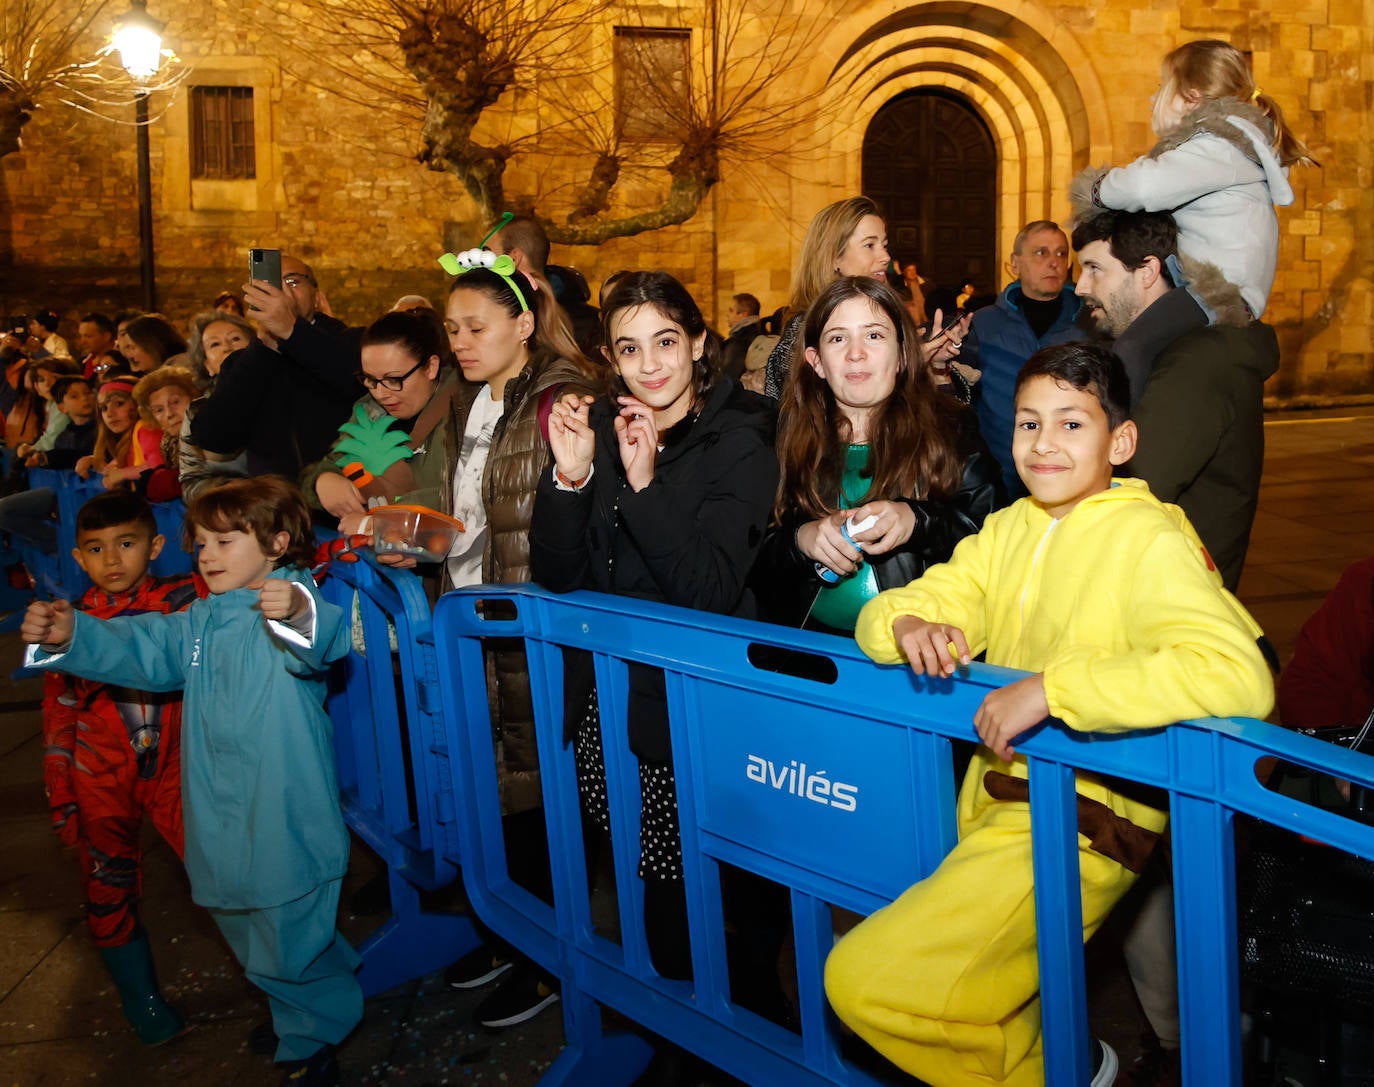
(265, 265)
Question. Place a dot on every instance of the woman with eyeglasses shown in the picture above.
(409, 392)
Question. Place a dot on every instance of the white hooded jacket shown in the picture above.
(1219, 176)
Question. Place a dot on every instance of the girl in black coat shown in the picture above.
(661, 492)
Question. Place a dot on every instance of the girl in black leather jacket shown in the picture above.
(864, 433)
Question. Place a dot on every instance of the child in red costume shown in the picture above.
(113, 755)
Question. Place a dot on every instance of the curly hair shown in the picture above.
(1130, 235)
(262, 506)
(161, 378)
(914, 439)
(195, 347)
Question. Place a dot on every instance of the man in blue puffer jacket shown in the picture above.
(1037, 309)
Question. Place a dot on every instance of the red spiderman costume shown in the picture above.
(111, 757)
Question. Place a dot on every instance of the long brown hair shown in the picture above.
(913, 440)
(111, 448)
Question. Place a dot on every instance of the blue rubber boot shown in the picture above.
(131, 966)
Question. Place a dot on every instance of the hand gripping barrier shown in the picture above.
(841, 789)
(385, 705)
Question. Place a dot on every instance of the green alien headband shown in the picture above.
(456, 264)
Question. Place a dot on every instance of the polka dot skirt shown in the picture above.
(660, 847)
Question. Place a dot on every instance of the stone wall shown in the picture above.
(1061, 85)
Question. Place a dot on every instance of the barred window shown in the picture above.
(222, 133)
(652, 82)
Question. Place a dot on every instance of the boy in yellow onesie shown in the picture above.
(1107, 596)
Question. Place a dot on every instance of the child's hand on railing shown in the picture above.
(1009, 711)
(932, 649)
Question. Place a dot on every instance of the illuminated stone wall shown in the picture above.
(1059, 86)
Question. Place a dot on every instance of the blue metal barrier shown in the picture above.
(385, 705)
(840, 788)
(58, 575)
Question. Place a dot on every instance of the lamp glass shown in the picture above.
(140, 49)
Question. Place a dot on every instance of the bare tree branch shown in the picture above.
(523, 91)
(49, 52)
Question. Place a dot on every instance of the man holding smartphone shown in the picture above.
(283, 398)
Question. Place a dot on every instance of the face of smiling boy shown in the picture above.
(1063, 445)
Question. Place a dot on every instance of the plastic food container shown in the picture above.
(413, 530)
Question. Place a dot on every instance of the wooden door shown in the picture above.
(930, 163)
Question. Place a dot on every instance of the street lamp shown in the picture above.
(138, 38)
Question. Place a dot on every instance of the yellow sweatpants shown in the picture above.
(945, 981)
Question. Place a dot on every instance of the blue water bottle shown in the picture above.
(824, 572)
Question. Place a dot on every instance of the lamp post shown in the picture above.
(138, 37)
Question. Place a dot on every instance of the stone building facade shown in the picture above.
(1055, 85)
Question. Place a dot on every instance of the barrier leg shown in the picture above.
(412, 942)
(591, 1057)
(1208, 970)
(1059, 921)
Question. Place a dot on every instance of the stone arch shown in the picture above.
(1026, 76)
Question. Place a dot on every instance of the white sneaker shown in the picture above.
(1105, 1064)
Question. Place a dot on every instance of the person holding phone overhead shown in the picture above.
(282, 398)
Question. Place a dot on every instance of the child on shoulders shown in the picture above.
(1107, 597)
(1221, 164)
(266, 846)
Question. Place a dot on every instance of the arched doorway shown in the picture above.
(930, 163)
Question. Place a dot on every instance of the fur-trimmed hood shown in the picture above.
(1245, 127)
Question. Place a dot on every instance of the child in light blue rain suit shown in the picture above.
(266, 847)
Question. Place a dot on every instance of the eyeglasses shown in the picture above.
(395, 384)
(296, 279)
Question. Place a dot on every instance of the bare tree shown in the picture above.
(48, 55)
(467, 74)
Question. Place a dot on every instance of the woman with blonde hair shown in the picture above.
(846, 238)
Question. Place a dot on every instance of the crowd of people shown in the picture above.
(941, 481)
